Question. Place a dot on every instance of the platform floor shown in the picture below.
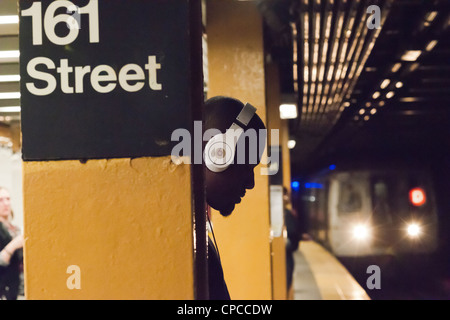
(318, 275)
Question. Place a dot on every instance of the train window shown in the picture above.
(393, 197)
(350, 199)
(381, 204)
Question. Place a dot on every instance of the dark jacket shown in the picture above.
(217, 287)
(9, 275)
(293, 230)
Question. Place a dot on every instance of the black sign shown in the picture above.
(103, 78)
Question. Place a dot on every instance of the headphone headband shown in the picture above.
(246, 114)
(220, 149)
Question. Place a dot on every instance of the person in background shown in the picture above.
(11, 257)
(293, 235)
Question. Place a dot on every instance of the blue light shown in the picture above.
(332, 167)
(295, 185)
(313, 185)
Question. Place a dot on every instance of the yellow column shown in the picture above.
(286, 155)
(236, 68)
(126, 224)
(117, 228)
(278, 243)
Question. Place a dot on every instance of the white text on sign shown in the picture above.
(103, 78)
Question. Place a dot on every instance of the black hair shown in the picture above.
(220, 113)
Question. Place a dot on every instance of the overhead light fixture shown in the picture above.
(390, 94)
(7, 119)
(385, 83)
(413, 67)
(430, 16)
(411, 55)
(288, 111)
(361, 111)
(396, 67)
(10, 109)
(373, 111)
(399, 84)
(410, 112)
(375, 95)
(431, 45)
(9, 19)
(9, 56)
(409, 99)
(9, 95)
(10, 78)
(291, 144)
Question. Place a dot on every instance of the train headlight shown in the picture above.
(414, 230)
(361, 232)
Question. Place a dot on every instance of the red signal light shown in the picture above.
(417, 197)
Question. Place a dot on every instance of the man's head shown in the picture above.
(225, 189)
(5, 204)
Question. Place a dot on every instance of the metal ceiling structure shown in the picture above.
(400, 104)
(362, 90)
(332, 43)
(358, 89)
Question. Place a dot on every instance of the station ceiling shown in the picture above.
(359, 90)
(363, 92)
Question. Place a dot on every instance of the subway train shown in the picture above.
(372, 212)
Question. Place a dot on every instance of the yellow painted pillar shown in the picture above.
(274, 122)
(286, 164)
(286, 155)
(115, 228)
(278, 242)
(236, 68)
(126, 224)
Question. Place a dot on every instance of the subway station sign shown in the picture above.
(103, 78)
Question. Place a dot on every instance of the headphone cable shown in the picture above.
(214, 237)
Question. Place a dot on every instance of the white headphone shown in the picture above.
(220, 149)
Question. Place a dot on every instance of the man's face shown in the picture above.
(225, 189)
(5, 204)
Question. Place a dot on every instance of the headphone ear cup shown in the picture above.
(218, 155)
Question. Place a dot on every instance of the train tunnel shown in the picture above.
(105, 184)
